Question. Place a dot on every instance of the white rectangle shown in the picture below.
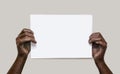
(61, 36)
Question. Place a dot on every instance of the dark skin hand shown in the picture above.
(26, 36)
(99, 46)
(23, 45)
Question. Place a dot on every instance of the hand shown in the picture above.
(99, 46)
(23, 42)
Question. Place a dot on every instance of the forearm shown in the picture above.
(18, 65)
(102, 67)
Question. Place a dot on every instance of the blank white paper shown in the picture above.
(61, 36)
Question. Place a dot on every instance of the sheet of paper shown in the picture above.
(61, 36)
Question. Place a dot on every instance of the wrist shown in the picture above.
(22, 56)
(97, 61)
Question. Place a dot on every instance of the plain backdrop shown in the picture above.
(15, 15)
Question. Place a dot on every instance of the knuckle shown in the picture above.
(106, 43)
(26, 37)
(17, 38)
(25, 33)
(100, 38)
(90, 36)
(97, 33)
(25, 29)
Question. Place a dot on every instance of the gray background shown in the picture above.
(15, 15)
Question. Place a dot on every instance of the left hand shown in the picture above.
(23, 42)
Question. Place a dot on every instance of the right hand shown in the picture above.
(23, 42)
(99, 46)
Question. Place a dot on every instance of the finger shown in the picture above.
(94, 40)
(96, 34)
(26, 34)
(25, 39)
(103, 44)
(94, 51)
(97, 39)
(98, 48)
(26, 30)
(99, 44)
